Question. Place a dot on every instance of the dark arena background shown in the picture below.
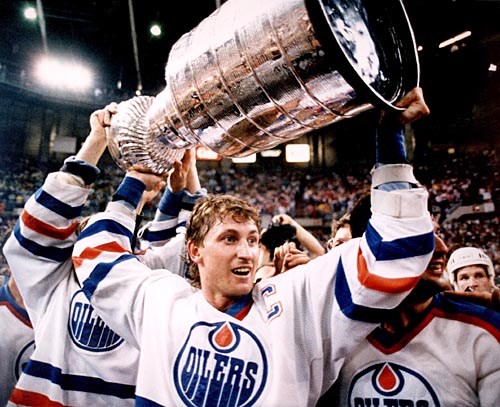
(455, 150)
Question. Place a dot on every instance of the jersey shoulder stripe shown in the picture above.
(398, 248)
(63, 209)
(441, 307)
(469, 313)
(100, 272)
(6, 300)
(58, 254)
(46, 229)
(107, 226)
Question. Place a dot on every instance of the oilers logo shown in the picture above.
(87, 330)
(230, 369)
(390, 384)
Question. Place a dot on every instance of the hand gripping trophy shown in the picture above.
(255, 74)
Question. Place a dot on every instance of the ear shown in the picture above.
(193, 251)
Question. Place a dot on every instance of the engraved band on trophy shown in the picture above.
(255, 74)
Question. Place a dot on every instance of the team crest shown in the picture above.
(87, 330)
(390, 384)
(220, 364)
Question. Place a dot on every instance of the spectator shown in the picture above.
(285, 229)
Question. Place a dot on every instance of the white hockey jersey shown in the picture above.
(283, 344)
(16, 342)
(449, 357)
(78, 360)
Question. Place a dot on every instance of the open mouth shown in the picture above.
(242, 271)
(436, 268)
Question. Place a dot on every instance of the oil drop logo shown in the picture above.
(220, 364)
(390, 384)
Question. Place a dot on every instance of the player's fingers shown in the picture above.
(108, 112)
(413, 95)
(294, 260)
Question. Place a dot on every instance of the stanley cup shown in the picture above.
(255, 74)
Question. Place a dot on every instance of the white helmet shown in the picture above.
(469, 256)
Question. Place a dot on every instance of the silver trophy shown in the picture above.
(255, 74)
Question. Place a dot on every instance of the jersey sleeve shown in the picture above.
(39, 249)
(171, 255)
(343, 295)
(172, 213)
(376, 272)
(115, 279)
(162, 239)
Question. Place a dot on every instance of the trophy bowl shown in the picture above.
(256, 74)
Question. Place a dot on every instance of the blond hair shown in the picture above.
(207, 212)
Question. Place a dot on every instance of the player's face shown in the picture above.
(227, 261)
(435, 272)
(473, 278)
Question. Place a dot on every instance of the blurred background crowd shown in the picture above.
(464, 194)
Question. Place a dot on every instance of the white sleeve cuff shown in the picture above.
(393, 173)
(403, 203)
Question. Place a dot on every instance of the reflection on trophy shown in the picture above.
(255, 74)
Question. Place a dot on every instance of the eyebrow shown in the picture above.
(237, 232)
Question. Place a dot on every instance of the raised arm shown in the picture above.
(103, 256)
(39, 248)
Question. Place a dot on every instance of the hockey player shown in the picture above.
(433, 351)
(78, 360)
(230, 342)
(169, 223)
(17, 338)
(470, 270)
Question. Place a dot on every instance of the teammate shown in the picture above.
(280, 342)
(78, 360)
(470, 270)
(169, 223)
(17, 338)
(433, 351)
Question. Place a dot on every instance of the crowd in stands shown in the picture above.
(452, 181)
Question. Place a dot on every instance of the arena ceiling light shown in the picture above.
(30, 13)
(298, 153)
(456, 38)
(155, 30)
(273, 153)
(245, 160)
(64, 75)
